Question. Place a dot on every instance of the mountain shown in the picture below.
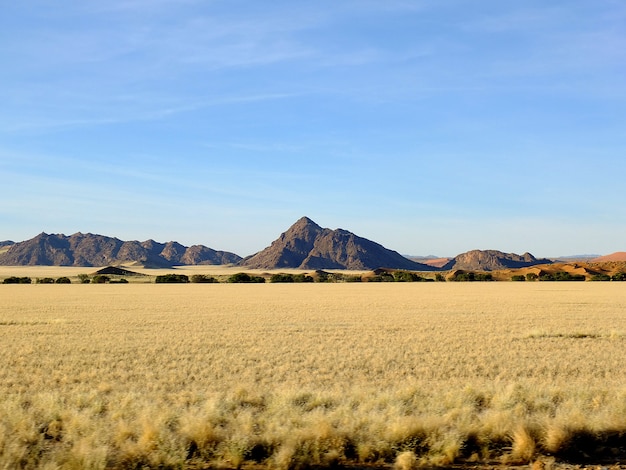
(88, 249)
(306, 245)
(617, 256)
(492, 260)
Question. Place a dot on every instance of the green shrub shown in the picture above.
(245, 278)
(63, 280)
(83, 278)
(532, 277)
(118, 281)
(281, 277)
(600, 277)
(100, 279)
(618, 277)
(45, 280)
(472, 277)
(304, 278)
(202, 279)
(518, 278)
(405, 276)
(17, 280)
(440, 277)
(172, 279)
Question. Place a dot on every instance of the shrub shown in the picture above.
(280, 277)
(440, 277)
(304, 278)
(532, 277)
(619, 277)
(202, 279)
(172, 279)
(245, 278)
(405, 276)
(83, 278)
(101, 279)
(382, 277)
(518, 278)
(119, 281)
(45, 280)
(471, 277)
(17, 280)
(600, 277)
(63, 280)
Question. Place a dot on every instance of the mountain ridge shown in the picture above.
(80, 249)
(492, 260)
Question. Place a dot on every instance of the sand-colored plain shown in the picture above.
(121, 376)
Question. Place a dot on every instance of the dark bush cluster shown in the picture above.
(282, 277)
(473, 277)
(518, 278)
(202, 279)
(17, 280)
(246, 278)
(619, 277)
(561, 276)
(172, 279)
(407, 276)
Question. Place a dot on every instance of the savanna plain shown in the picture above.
(288, 376)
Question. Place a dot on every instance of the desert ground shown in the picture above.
(288, 376)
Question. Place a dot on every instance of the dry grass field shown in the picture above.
(294, 375)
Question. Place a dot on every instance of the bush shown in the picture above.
(600, 277)
(304, 278)
(518, 278)
(280, 277)
(245, 278)
(17, 280)
(561, 276)
(471, 277)
(101, 279)
(63, 280)
(382, 277)
(619, 277)
(119, 281)
(202, 279)
(532, 277)
(440, 277)
(172, 279)
(83, 278)
(45, 280)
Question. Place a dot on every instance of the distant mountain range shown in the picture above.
(86, 249)
(305, 245)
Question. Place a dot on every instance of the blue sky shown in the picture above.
(431, 127)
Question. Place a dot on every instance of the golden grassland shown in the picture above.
(294, 375)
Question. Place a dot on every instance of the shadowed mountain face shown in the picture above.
(98, 250)
(306, 245)
(492, 260)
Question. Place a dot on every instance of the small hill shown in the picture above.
(117, 271)
(492, 260)
(617, 256)
(306, 245)
(82, 249)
